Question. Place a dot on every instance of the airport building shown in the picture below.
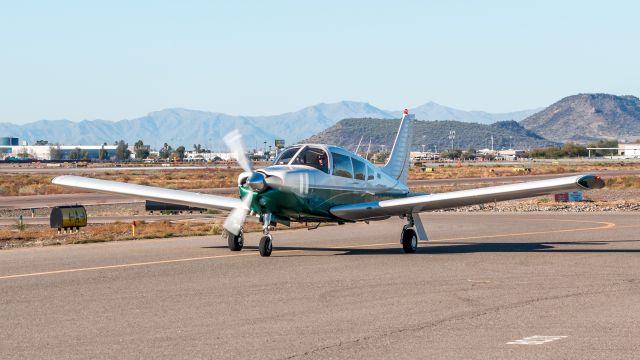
(629, 150)
(10, 148)
(9, 141)
(194, 156)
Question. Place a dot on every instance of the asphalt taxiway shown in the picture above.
(486, 286)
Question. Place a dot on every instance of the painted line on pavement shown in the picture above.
(119, 266)
(536, 340)
(606, 225)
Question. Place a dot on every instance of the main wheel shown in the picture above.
(409, 240)
(235, 241)
(265, 246)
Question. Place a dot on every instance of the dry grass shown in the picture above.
(623, 182)
(452, 171)
(39, 235)
(40, 184)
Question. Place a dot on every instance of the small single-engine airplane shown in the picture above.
(324, 183)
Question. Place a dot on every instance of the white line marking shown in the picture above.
(535, 340)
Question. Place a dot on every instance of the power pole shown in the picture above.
(452, 136)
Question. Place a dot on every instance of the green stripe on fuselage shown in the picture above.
(311, 206)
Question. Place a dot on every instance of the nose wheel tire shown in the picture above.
(265, 246)
(235, 242)
(409, 241)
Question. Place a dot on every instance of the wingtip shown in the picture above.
(591, 181)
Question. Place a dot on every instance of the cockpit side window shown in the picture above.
(342, 165)
(370, 173)
(286, 155)
(359, 169)
(314, 157)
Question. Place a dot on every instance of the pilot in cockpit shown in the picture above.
(322, 163)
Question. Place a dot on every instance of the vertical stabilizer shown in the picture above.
(398, 164)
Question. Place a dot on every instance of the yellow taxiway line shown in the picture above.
(604, 226)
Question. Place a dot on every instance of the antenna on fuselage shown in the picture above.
(359, 142)
(368, 148)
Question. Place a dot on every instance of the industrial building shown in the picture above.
(629, 150)
(10, 148)
(8, 141)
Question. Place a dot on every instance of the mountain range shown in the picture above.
(183, 126)
(585, 118)
(579, 118)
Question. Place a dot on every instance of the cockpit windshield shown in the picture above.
(313, 157)
(285, 156)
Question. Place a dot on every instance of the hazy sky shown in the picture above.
(122, 59)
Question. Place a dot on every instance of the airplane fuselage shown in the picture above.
(305, 192)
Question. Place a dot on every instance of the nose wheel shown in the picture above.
(266, 245)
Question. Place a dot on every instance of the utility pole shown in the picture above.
(452, 136)
(491, 143)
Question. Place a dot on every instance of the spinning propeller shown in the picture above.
(255, 182)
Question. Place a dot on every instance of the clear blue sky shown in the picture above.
(122, 59)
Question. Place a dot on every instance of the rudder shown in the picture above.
(398, 164)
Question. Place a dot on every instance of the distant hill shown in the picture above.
(434, 111)
(588, 117)
(506, 134)
(186, 127)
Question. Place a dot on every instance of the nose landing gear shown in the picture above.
(265, 245)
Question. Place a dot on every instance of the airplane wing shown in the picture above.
(419, 203)
(171, 196)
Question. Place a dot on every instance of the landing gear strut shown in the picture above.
(409, 236)
(265, 246)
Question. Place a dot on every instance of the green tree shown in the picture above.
(605, 143)
(103, 154)
(574, 150)
(197, 148)
(55, 153)
(41, 142)
(141, 151)
(179, 153)
(76, 154)
(122, 151)
(165, 152)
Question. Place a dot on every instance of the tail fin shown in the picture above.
(398, 164)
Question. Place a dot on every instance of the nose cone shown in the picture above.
(256, 182)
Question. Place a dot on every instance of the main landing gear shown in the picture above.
(235, 242)
(409, 236)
